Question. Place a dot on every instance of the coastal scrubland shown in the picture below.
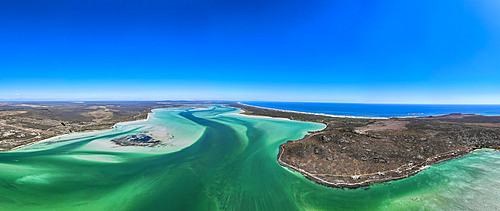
(357, 152)
(24, 123)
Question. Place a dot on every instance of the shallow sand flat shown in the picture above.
(98, 158)
(59, 141)
(176, 134)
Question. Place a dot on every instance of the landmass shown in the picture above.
(359, 152)
(25, 123)
(349, 152)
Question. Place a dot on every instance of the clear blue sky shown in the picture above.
(324, 51)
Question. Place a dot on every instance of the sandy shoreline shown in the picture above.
(278, 118)
(317, 114)
(84, 132)
(80, 132)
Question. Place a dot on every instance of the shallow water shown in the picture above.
(218, 160)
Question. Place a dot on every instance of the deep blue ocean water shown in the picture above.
(380, 110)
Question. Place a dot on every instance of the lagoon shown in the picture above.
(218, 159)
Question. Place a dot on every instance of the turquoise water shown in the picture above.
(218, 160)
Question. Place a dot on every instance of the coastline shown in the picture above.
(278, 118)
(139, 120)
(80, 132)
(368, 179)
(87, 131)
(317, 114)
(410, 115)
(416, 169)
(365, 180)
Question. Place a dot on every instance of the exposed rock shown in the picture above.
(140, 139)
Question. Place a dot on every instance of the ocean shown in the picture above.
(379, 110)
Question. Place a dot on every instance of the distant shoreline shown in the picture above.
(317, 114)
(410, 114)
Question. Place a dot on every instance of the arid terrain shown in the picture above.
(23, 123)
(349, 152)
(357, 152)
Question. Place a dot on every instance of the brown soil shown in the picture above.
(354, 152)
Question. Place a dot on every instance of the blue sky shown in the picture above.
(321, 51)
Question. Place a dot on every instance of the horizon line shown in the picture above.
(239, 101)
